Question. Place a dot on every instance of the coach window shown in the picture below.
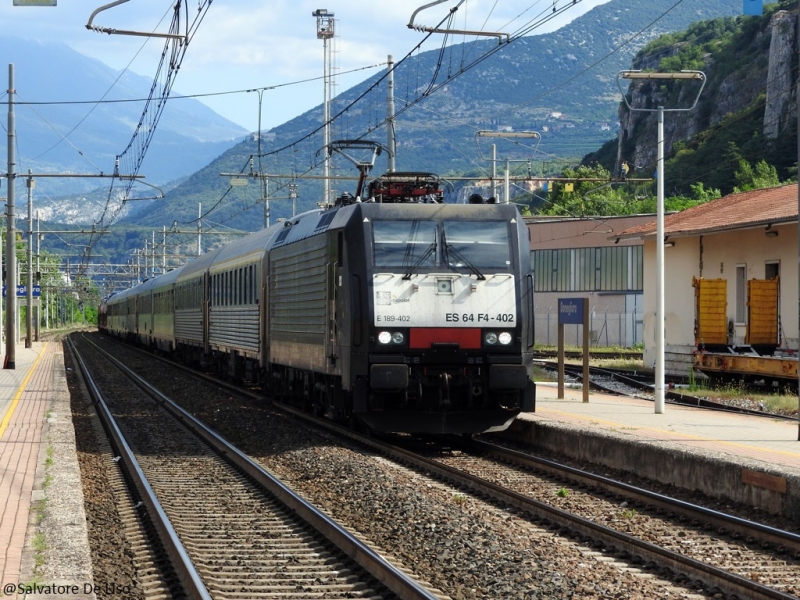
(250, 283)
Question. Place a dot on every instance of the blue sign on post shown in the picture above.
(22, 291)
(570, 311)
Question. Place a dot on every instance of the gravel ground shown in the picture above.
(461, 545)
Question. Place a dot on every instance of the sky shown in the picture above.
(251, 44)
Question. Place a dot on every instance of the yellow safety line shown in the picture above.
(687, 436)
(18, 395)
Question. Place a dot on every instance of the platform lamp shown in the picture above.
(659, 323)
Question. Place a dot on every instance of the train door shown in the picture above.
(339, 324)
(263, 311)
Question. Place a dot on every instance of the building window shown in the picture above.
(772, 270)
(741, 293)
(604, 269)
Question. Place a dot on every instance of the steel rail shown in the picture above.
(188, 575)
(406, 587)
(726, 581)
(671, 395)
(710, 575)
(779, 538)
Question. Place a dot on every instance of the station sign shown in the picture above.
(570, 311)
(22, 291)
(35, 3)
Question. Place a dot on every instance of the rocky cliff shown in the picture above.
(755, 71)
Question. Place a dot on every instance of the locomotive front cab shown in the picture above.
(449, 333)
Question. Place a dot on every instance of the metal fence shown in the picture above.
(619, 329)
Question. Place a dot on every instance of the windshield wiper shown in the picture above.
(461, 258)
(431, 249)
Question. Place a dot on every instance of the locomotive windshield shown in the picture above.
(477, 243)
(417, 244)
(405, 244)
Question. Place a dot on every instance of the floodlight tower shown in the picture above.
(326, 31)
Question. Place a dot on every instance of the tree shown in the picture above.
(748, 177)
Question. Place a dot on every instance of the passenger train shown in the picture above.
(394, 310)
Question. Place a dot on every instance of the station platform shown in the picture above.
(750, 459)
(43, 537)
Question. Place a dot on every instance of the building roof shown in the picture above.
(735, 211)
(557, 232)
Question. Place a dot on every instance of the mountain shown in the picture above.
(561, 84)
(58, 129)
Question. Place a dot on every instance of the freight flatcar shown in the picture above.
(759, 357)
(395, 310)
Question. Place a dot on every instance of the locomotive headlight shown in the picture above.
(398, 337)
(490, 338)
(504, 338)
(384, 337)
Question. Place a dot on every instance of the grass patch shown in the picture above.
(772, 399)
(40, 547)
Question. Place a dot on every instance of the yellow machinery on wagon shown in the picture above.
(759, 358)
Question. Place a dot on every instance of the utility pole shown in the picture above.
(38, 280)
(10, 361)
(391, 144)
(199, 229)
(659, 397)
(507, 177)
(29, 288)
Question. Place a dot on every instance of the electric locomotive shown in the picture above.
(403, 312)
(393, 310)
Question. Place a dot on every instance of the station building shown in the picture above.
(586, 258)
(745, 245)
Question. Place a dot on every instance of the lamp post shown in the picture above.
(659, 324)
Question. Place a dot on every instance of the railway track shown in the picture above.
(695, 546)
(617, 381)
(569, 519)
(228, 527)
